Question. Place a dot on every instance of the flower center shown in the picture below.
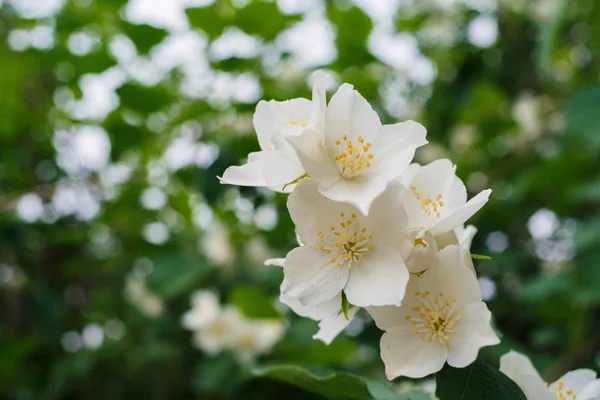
(348, 242)
(435, 318)
(302, 124)
(353, 158)
(430, 207)
(562, 393)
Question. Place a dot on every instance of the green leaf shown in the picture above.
(174, 275)
(478, 381)
(582, 116)
(144, 36)
(262, 19)
(144, 99)
(345, 305)
(353, 28)
(210, 19)
(334, 384)
(253, 302)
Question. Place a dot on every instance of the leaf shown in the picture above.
(174, 274)
(345, 305)
(262, 19)
(582, 115)
(478, 381)
(334, 384)
(144, 36)
(253, 302)
(144, 99)
(209, 19)
(353, 28)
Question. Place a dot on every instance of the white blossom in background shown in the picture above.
(352, 156)
(205, 309)
(276, 164)
(216, 329)
(441, 319)
(437, 198)
(138, 294)
(345, 250)
(581, 384)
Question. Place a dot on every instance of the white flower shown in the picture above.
(352, 156)
(465, 235)
(138, 294)
(441, 319)
(277, 164)
(329, 314)
(580, 384)
(345, 250)
(220, 333)
(205, 309)
(437, 199)
(255, 338)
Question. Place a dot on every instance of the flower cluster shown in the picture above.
(375, 231)
(218, 329)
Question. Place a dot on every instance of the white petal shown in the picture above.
(404, 354)
(450, 275)
(534, 390)
(465, 235)
(387, 317)
(591, 391)
(432, 178)
(409, 174)
(320, 81)
(331, 326)
(360, 192)
(315, 159)
(249, 174)
(455, 194)
(310, 277)
(278, 168)
(394, 147)
(575, 380)
(278, 262)
(275, 116)
(312, 213)
(316, 312)
(473, 331)
(520, 369)
(462, 214)
(349, 114)
(380, 280)
(387, 218)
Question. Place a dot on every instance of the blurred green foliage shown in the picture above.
(519, 114)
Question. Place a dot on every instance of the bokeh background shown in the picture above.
(117, 116)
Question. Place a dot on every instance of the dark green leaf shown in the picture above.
(583, 118)
(174, 274)
(262, 19)
(333, 384)
(144, 36)
(478, 381)
(142, 98)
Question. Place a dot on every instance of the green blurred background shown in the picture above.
(116, 117)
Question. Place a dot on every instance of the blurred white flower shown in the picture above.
(205, 309)
(217, 328)
(138, 294)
